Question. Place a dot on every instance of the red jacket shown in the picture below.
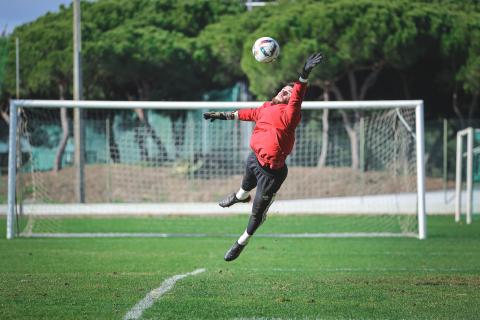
(274, 133)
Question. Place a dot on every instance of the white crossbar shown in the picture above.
(189, 105)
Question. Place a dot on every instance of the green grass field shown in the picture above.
(339, 278)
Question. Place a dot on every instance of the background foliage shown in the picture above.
(178, 50)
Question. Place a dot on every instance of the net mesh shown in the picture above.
(164, 156)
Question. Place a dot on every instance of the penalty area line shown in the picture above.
(155, 294)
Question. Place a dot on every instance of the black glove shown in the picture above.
(311, 62)
(212, 116)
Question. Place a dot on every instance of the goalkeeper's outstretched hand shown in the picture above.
(311, 63)
(212, 116)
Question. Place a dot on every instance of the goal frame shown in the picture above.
(15, 106)
(469, 133)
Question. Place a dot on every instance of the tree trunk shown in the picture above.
(351, 131)
(456, 109)
(472, 108)
(352, 135)
(178, 130)
(323, 153)
(352, 81)
(140, 134)
(65, 133)
(5, 117)
(406, 90)
(351, 121)
(143, 130)
(347, 122)
(162, 151)
(114, 151)
(369, 81)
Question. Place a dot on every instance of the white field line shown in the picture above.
(155, 294)
(206, 235)
(335, 270)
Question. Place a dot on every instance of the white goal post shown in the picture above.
(399, 123)
(469, 133)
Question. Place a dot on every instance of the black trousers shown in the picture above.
(267, 181)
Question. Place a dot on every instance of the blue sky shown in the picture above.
(17, 12)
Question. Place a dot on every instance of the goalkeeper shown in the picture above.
(272, 141)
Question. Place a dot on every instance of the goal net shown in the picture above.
(358, 164)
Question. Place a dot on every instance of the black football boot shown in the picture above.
(234, 251)
(231, 199)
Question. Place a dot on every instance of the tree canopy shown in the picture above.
(363, 38)
(177, 50)
(132, 49)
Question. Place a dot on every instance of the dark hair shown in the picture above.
(291, 84)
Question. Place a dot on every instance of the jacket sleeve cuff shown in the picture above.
(302, 80)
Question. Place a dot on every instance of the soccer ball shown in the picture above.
(265, 49)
